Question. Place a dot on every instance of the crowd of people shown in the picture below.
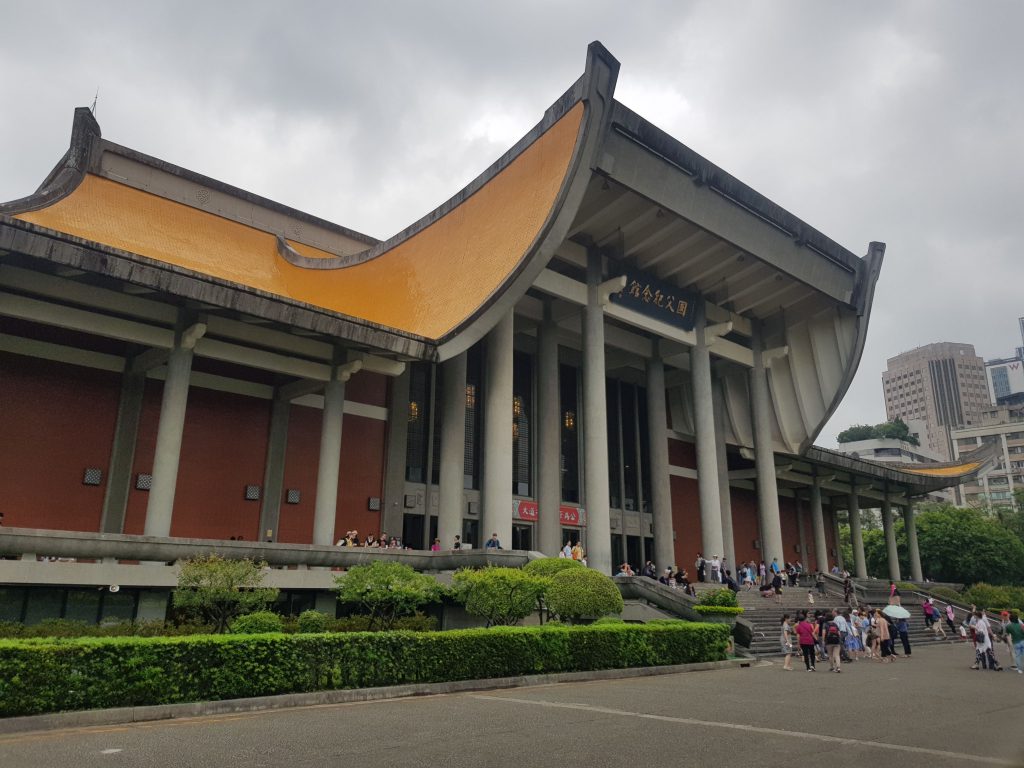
(351, 539)
(844, 635)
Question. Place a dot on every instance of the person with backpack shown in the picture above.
(833, 641)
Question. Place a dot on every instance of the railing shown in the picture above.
(30, 543)
(673, 600)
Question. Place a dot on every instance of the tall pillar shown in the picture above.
(707, 453)
(801, 536)
(595, 424)
(818, 526)
(915, 554)
(398, 436)
(890, 540)
(168, 441)
(764, 456)
(273, 470)
(452, 470)
(860, 568)
(549, 438)
(661, 486)
(724, 494)
(326, 509)
(840, 560)
(122, 452)
(497, 469)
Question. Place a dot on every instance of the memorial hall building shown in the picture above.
(604, 337)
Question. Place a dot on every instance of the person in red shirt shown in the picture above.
(806, 633)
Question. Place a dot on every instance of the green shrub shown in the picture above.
(723, 597)
(39, 676)
(502, 596)
(415, 623)
(65, 628)
(217, 590)
(549, 566)
(257, 623)
(578, 593)
(386, 590)
(946, 593)
(609, 620)
(311, 622)
(987, 596)
(718, 610)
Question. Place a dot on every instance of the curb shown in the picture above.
(121, 715)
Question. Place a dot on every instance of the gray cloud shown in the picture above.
(898, 122)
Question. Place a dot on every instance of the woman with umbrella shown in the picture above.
(899, 615)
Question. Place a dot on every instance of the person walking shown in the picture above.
(1015, 639)
(903, 630)
(787, 643)
(806, 633)
(762, 574)
(884, 637)
(833, 641)
(951, 618)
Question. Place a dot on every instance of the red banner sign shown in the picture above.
(529, 511)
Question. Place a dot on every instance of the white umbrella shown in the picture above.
(896, 611)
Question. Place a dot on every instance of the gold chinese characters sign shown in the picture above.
(658, 300)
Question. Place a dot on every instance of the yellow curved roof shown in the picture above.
(427, 284)
(954, 471)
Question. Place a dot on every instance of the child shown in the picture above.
(810, 597)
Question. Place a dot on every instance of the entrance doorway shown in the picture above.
(522, 536)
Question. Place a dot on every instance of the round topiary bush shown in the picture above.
(256, 623)
(549, 566)
(311, 622)
(721, 597)
(578, 593)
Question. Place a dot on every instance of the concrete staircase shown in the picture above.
(766, 615)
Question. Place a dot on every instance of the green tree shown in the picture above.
(549, 566)
(896, 429)
(216, 590)
(502, 596)
(386, 590)
(580, 593)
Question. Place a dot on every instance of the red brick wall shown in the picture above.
(55, 420)
(744, 524)
(685, 522)
(682, 454)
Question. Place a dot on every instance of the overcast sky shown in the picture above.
(894, 121)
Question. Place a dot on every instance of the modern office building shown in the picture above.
(942, 385)
(1001, 427)
(603, 337)
(1005, 380)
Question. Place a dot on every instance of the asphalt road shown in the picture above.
(930, 710)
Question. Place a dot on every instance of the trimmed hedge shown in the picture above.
(719, 610)
(38, 676)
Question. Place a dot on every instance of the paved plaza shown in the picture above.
(930, 710)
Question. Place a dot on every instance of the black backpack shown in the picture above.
(832, 635)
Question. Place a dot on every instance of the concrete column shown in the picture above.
(122, 452)
(818, 525)
(840, 560)
(661, 487)
(801, 536)
(428, 469)
(326, 509)
(712, 544)
(915, 554)
(724, 494)
(549, 438)
(764, 456)
(273, 470)
(497, 455)
(860, 568)
(595, 424)
(453, 450)
(890, 540)
(398, 434)
(168, 442)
